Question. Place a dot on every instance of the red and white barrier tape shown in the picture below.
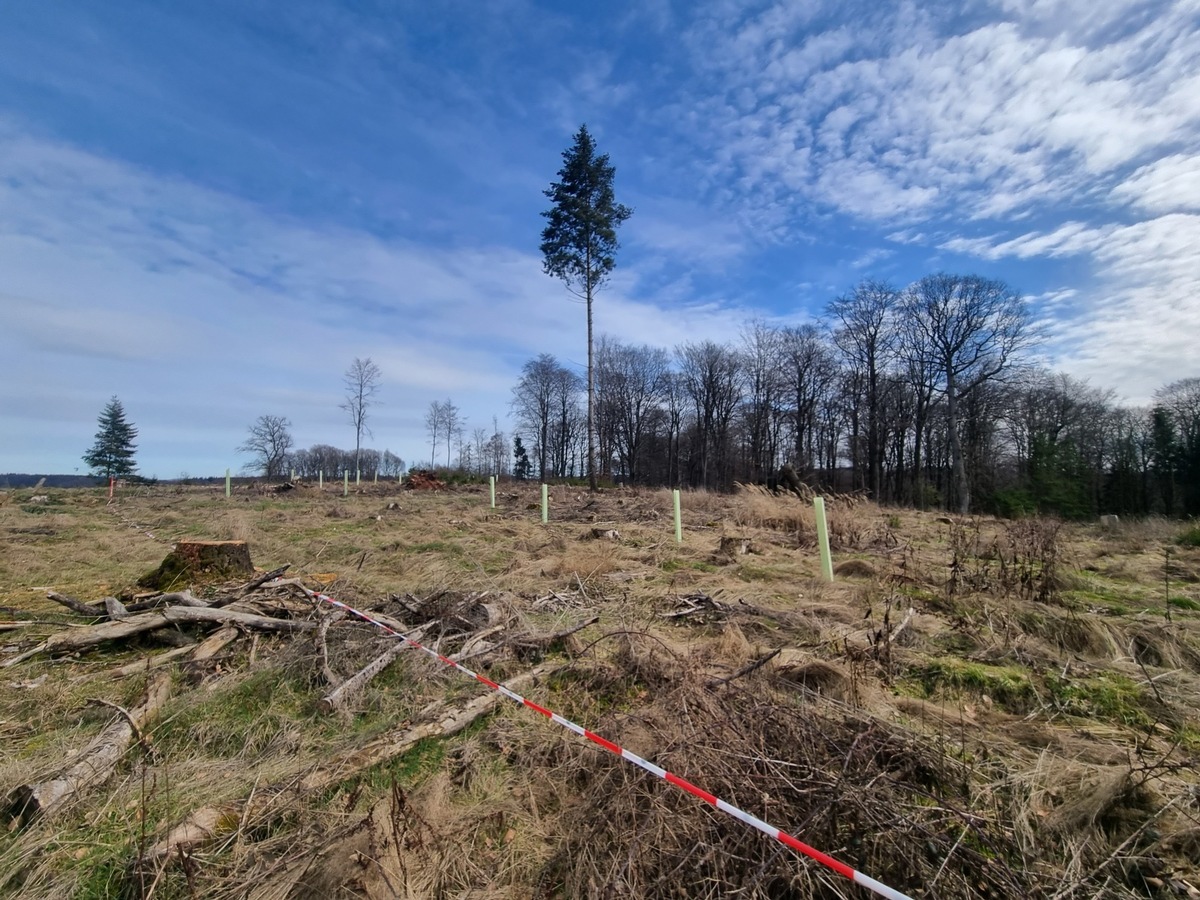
(753, 821)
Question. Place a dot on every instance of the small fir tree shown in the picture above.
(112, 454)
(522, 467)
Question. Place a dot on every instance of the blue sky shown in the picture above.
(211, 208)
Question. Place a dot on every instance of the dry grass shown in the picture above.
(1028, 734)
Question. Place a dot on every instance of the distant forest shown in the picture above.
(11, 480)
(907, 400)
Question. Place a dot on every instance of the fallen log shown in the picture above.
(92, 636)
(337, 698)
(91, 766)
(146, 663)
(180, 598)
(106, 607)
(208, 648)
(209, 823)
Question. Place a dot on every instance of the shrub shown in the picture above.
(1191, 537)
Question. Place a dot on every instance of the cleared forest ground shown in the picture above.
(974, 708)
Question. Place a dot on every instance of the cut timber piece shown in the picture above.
(94, 764)
(195, 560)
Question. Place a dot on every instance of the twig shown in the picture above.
(330, 677)
(137, 731)
(582, 590)
(744, 670)
(257, 582)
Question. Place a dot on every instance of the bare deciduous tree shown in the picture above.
(633, 383)
(809, 370)
(269, 443)
(972, 330)
(539, 401)
(362, 384)
(866, 335)
(761, 354)
(710, 374)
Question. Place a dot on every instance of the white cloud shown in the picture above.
(1170, 184)
(1135, 329)
(897, 119)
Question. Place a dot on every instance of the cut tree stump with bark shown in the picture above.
(735, 546)
(91, 766)
(197, 560)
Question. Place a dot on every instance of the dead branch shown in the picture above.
(115, 609)
(255, 583)
(208, 823)
(92, 636)
(744, 670)
(881, 640)
(337, 698)
(476, 640)
(91, 766)
(84, 609)
(525, 641)
(149, 662)
(133, 723)
(331, 678)
(208, 648)
(540, 641)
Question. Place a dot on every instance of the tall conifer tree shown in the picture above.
(579, 242)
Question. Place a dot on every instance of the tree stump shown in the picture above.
(193, 561)
(735, 546)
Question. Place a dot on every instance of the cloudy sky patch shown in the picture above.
(210, 209)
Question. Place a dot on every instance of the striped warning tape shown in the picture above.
(753, 821)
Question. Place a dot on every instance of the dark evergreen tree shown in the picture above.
(579, 242)
(522, 467)
(112, 454)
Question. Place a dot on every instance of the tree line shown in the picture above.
(927, 396)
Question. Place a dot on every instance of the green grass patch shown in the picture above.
(1190, 538)
(1183, 603)
(675, 565)
(1107, 696)
(435, 547)
(247, 719)
(1008, 686)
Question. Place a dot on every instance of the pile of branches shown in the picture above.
(883, 800)
(461, 625)
(181, 614)
(423, 480)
